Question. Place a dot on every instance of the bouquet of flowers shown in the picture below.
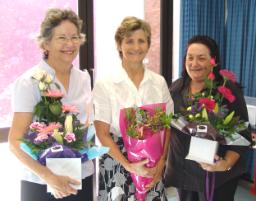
(56, 131)
(143, 131)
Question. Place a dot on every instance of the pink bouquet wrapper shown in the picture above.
(151, 148)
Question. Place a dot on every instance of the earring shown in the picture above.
(45, 54)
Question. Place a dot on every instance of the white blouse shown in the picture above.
(117, 91)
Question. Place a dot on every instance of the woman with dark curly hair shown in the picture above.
(189, 176)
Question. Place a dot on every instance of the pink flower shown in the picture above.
(54, 93)
(50, 128)
(227, 93)
(213, 62)
(37, 125)
(211, 76)
(228, 75)
(41, 137)
(207, 103)
(69, 108)
(70, 137)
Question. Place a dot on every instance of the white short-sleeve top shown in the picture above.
(26, 95)
(117, 91)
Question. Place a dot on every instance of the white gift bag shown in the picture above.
(202, 150)
(67, 167)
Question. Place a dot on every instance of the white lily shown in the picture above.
(48, 79)
(39, 75)
(42, 86)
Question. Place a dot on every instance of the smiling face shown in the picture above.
(134, 47)
(64, 44)
(197, 63)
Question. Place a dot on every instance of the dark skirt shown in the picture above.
(36, 192)
(115, 183)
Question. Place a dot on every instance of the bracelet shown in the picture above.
(229, 167)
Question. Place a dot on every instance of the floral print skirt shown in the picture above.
(115, 183)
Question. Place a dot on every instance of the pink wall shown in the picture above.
(152, 15)
(20, 22)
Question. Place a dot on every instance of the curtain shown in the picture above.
(241, 43)
(204, 17)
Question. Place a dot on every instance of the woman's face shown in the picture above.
(197, 63)
(65, 43)
(134, 47)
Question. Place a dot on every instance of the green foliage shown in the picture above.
(138, 119)
(49, 110)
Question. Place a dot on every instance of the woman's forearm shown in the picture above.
(167, 143)
(114, 151)
(33, 165)
(231, 158)
(20, 125)
(102, 132)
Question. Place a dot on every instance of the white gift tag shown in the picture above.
(202, 150)
(67, 167)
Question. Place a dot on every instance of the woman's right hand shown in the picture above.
(140, 169)
(61, 185)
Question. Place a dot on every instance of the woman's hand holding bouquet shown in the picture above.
(144, 131)
(157, 173)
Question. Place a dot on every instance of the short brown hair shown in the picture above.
(129, 25)
(53, 18)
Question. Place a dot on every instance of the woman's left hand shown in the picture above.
(158, 173)
(219, 166)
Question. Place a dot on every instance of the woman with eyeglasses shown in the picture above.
(60, 39)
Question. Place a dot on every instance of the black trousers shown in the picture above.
(37, 192)
(225, 192)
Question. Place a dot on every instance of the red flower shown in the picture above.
(213, 62)
(208, 103)
(226, 92)
(228, 75)
(211, 76)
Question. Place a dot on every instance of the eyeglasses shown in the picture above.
(64, 39)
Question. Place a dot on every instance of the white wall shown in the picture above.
(251, 107)
(108, 16)
(176, 39)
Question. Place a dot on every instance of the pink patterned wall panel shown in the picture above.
(20, 21)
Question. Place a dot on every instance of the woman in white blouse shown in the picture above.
(132, 84)
(60, 39)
